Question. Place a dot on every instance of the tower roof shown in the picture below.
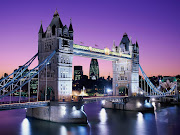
(125, 39)
(41, 29)
(70, 26)
(56, 20)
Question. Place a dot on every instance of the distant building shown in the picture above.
(78, 73)
(85, 77)
(94, 69)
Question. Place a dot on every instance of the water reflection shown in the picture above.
(63, 130)
(40, 127)
(103, 128)
(154, 105)
(140, 127)
(103, 116)
(163, 121)
(25, 127)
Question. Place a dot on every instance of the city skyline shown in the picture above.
(156, 32)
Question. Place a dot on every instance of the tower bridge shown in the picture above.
(54, 70)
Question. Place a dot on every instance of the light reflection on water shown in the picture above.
(25, 127)
(63, 130)
(103, 119)
(163, 121)
(140, 127)
(103, 116)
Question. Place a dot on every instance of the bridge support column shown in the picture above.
(61, 112)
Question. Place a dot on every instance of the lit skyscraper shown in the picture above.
(94, 69)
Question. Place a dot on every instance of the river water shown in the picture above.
(164, 121)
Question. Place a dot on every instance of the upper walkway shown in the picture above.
(96, 53)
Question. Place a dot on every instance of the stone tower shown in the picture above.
(59, 70)
(126, 71)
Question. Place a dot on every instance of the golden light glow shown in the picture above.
(90, 48)
(107, 51)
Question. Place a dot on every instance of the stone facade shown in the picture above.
(126, 71)
(59, 70)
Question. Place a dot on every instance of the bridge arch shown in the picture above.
(122, 90)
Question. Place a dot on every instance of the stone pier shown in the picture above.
(138, 103)
(61, 112)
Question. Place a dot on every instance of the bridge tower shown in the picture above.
(56, 81)
(126, 71)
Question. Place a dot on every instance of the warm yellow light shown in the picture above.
(90, 48)
(106, 51)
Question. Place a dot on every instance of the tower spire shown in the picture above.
(41, 28)
(114, 43)
(56, 13)
(130, 40)
(70, 26)
(137, 43)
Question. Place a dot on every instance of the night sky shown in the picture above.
(155, 24)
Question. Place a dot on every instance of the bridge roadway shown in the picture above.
(15, 105)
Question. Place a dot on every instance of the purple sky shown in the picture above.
(154, 23)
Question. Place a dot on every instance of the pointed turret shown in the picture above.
(130, 42)
(114, 43)
(137, 44)
(41, 32)
(71, 30)
(41, 29)
(114, 47)
(70, 26)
